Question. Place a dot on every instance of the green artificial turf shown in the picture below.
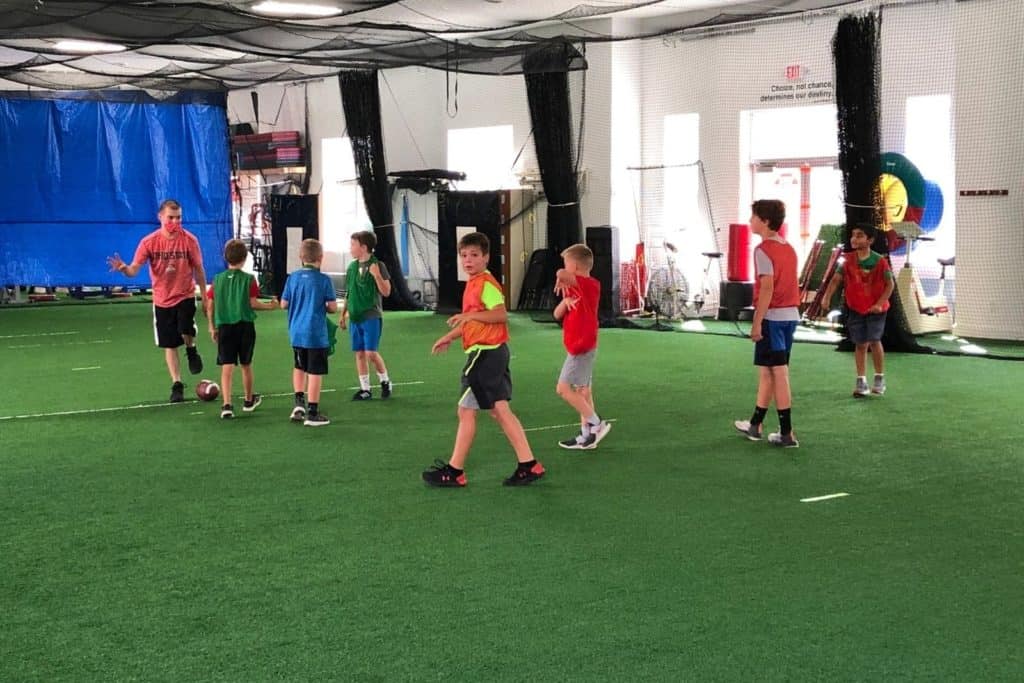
(163, 544)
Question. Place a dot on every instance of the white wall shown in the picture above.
(989, 150)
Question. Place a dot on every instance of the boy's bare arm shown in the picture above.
(332, 306)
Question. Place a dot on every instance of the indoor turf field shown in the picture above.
(159, 543)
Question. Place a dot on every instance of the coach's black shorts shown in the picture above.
(172, 322)
(311, 361)
(236, 343)
(486, 379)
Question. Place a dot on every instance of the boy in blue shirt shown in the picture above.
(308, 297)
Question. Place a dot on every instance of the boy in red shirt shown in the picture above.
(486, 380)
(578, 313)
(867, 286)
(776, 314)
(175, 266)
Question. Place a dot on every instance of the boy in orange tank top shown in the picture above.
(486, 380)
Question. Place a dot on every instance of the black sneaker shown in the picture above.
(195, 363)
(385, 389)
(444, 475)
(316, 420)
(298, 414)
(177, 392)
(227, 412)
(525, 475)
(573, 444)
(362, 395)
(249, 406)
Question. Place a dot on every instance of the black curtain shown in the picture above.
(855, 51)
(360, 99)
(547, 90)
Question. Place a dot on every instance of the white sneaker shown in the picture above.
(598, 433)
(783, 441)
(878, 386)
(748, 430)
(860, 390)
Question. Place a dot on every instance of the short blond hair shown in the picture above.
(311, 251)
(581, 254)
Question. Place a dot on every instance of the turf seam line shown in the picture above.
(39, 334)
(830, 496)
(140, 406)
(573, 424)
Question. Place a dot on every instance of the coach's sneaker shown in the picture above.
(385, 389)
(444, 475)
(227, 412)
(860, 390)
(177, 392)
(298, 414)
(362, 395)
(316, 420)
(747, 429)
(878, 386)
(597, 433)
(249, 406)
(783, 440)
(195, 362)
(526, 473)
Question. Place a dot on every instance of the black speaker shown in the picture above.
(459, 212)
(290, 211)
(603, 240)
(737, 301)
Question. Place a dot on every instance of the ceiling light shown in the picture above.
(88, 46)
(295, 9)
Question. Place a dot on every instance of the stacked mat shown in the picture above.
(261, 151)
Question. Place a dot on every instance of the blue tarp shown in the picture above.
(82, 178)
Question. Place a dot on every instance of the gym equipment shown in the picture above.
(923, 314)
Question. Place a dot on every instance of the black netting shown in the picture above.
(855, 49)
(547, 90)
(226, 45)
(360, 98)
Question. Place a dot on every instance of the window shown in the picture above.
(343, 211)
(485, 155)
(929, 145)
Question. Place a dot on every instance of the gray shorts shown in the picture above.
(578, 370)
(865, 328)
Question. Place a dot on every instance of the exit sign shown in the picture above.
(793, 72)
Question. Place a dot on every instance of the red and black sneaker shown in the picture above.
(526, 473)
(443, 474)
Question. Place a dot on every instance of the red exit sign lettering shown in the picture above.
(793, 72)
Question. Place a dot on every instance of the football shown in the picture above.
(207, 390)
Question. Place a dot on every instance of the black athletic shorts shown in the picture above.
(486, 379)
(236, 343)
(311, 361)
(169, 324)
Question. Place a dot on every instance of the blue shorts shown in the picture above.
(865, 328)
(366, 335)
(776, 341)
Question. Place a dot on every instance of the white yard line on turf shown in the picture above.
(62, 344)
(573, 424)
(38, 334)
(114, 409)
(820, 498)
(91, 367)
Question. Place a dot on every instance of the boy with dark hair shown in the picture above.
(581, 296)
(867, 285)
(175, 266)
(486, 380)
(234, 300)
(309, 296)
(366, 283)
(776, 313)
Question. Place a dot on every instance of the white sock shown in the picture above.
(383, 377)
(594, 420)
(585, 430)
(862, 378)
(364, 382)
(879, 374)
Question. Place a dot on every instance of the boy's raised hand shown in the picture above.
(571, 302)
(563, 281)
(115, 263)
(375, 269)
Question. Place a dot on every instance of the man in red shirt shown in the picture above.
(776, 314)
(175, 266)
(578, 312)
